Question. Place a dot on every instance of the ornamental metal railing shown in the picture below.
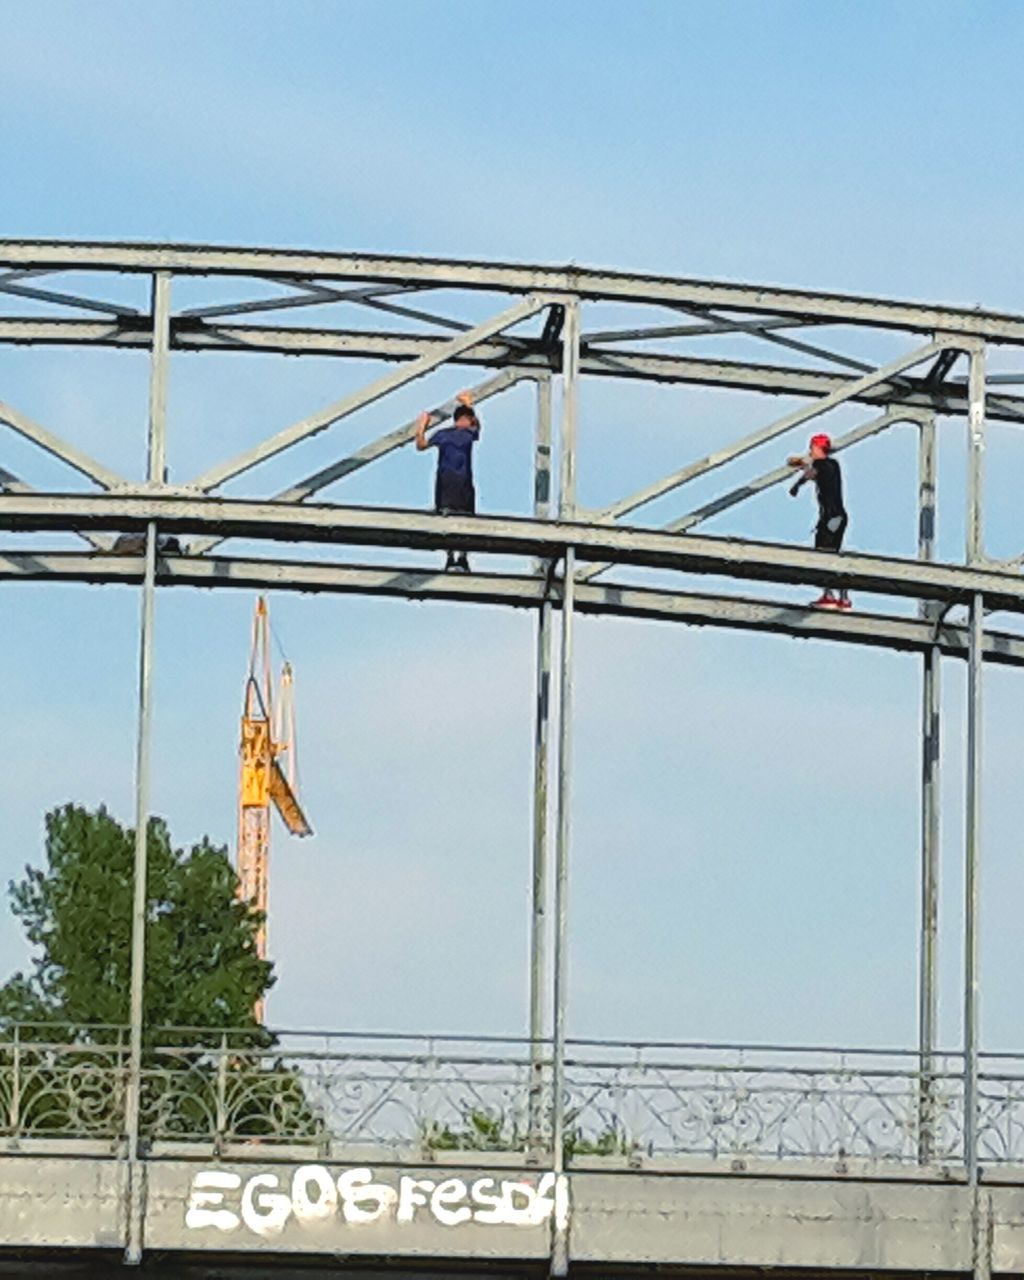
(425, 1096)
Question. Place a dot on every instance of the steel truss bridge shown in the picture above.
(207, 1151)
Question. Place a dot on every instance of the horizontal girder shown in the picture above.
(907, 392)
(375, 526)
(504, 535)
(907, 634)
(588, 283)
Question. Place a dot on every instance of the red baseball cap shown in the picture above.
(823, 442)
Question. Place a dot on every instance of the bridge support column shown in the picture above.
(975, 454)
(930, 799)
(563, 810)
(540, 921)
(155, 472)
(972, 895)
(559, 1251)
(972, 841)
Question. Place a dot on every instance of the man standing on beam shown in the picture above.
(818, 465)
(453, 486)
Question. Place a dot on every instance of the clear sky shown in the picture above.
(745, 853)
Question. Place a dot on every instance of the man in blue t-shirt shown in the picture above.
(453, 484)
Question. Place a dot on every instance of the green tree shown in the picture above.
(62, 1069)
(493, 1130)
(202, 969)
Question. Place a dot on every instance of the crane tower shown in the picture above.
(268, 732)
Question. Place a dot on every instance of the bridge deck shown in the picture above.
(264, 1212)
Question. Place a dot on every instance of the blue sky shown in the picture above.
(745, 857)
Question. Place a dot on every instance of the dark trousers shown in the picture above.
(454, 494)
(830, 539)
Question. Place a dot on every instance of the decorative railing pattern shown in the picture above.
(423, 1096)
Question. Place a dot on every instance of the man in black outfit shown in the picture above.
(823, 469)
(453, 486)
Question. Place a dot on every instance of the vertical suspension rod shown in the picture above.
(155, 475)
(930, 749)
(540, 920)
(975, 454)
(972, 895)
(566, 511)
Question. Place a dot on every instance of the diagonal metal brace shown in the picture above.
(52, 444)
(719, 458)
(342, 408)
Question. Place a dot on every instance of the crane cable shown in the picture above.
(294, 744)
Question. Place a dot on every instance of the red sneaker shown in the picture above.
(844, 602)
(825, 601)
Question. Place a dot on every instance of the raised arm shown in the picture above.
(422, 422)
(806, 466)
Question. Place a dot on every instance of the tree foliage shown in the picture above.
(202, 969)
(494, 1130)
(62, 1069)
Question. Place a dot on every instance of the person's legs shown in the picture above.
(840, 534)
(827, 599)
(449, 499)
(462, 501)
(828, 536)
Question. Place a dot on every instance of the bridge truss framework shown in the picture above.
(535, 329)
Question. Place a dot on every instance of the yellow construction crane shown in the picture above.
(268, 732)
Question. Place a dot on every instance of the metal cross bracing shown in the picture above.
(907, 364)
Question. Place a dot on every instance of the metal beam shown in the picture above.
(318, 422)
(529, 355)
(312, 296)
(161, 298)
(157, 461)
(11, 483)
(509, 277)
(135, 1207)
(976, 456)
(69, 300)
(387, 527)
(720, 326)
(570, 412)
(519, 591)
(754, 329)
(541, 909)
(58, 448)
(563, 837)
(931, 705)
(720, 457)
(972, 886)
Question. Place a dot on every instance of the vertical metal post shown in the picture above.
(155, 475)
(221, 1134)
(975, 454)
(563, 830)
(158, 378)
(560, 1261)
(541, 915)
(14, 1113)
(972, 882)
(972, 901)
(972, 872)
(570, 409)
(542, 450)
(930, 745)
